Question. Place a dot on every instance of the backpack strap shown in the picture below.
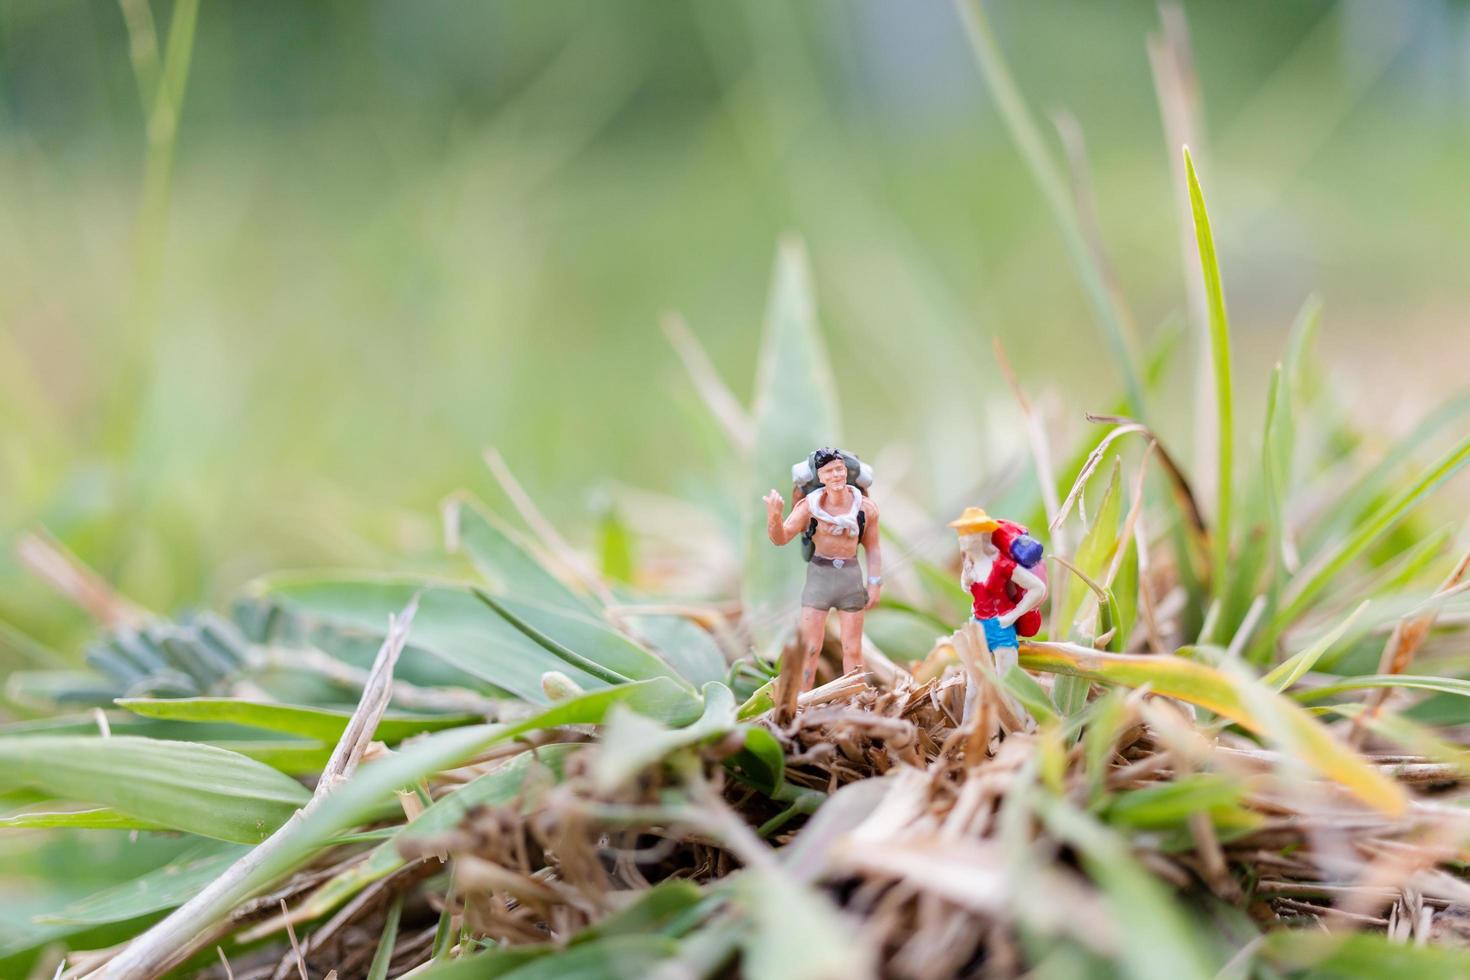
(862, 522)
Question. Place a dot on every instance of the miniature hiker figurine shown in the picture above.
(832, 515)
(1001, 569)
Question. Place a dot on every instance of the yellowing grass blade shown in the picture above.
(1212, 689)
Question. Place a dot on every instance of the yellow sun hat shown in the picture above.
(974, 521)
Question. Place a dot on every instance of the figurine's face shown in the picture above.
(833, 474)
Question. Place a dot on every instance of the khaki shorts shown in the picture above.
(828, 587)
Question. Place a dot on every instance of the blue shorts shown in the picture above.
(998, 637)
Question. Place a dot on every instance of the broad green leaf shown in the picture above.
(1224, 398)
(495, 788)
(1097, 547)
(197, 788)
(163, 888)
(613, 958)
(1171, 803)
(760, 761)
(1369, 956)
(1305, 588)
(1033, 696)
(1168, 949)
(655, 911)
(631, 742)
(1212, 689)
(584, 638)
(100, 818)
(795, 412)
(507, 564)
(360, 796)
(686, 647)
(1290, 671)
(293, 756)
(1413, 682)
(293, 719)
(795, 932)
(451, 624)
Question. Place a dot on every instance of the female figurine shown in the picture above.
(832, 515)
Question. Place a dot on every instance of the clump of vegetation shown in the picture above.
(1237, 751)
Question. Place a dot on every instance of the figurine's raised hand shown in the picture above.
(775, 505)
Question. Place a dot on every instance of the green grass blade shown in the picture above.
(1054, 191)
(1411, 682)
(162, 888)
(99, 818)
(1210, 688)
(378, 970)
(1168, 949)
(1220, 358)
(582, 642)
(507, 563)
(1308, 585)
(196, 788)
(1290, 671)
(451, 624)
(292, 719)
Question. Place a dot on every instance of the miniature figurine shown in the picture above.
(832, 514)
(1001, 569)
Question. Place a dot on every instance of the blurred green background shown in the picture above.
(394, 234)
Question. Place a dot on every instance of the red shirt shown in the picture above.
(997, 595)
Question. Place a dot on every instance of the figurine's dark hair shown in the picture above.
(823, 456)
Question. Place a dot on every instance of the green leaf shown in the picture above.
(163, 888)
(197, 788)
(795, 412)
(1220, 359)
(293, 756)
(684, 645)
(1171, 803)
(507, 564)
(1232, 698)
(613, 958)
(387, 940)
(1305, 588)
(760, 761)
(1168, 948)
(631, 742)
(451, 624)
(582, 641)
(795, 932)
(652, 912)
(1413, 682)
(100, 818)
(1097, 548)
(1369, 956)
(1114, 321)
(1033, 696)
(1290, 671)
(293, 719)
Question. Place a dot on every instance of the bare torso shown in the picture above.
(830, 541)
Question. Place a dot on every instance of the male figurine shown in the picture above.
(1001, 571)
(832, 518)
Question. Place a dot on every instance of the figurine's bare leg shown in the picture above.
(813, 632)
(1005, 659)
(851, 626)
